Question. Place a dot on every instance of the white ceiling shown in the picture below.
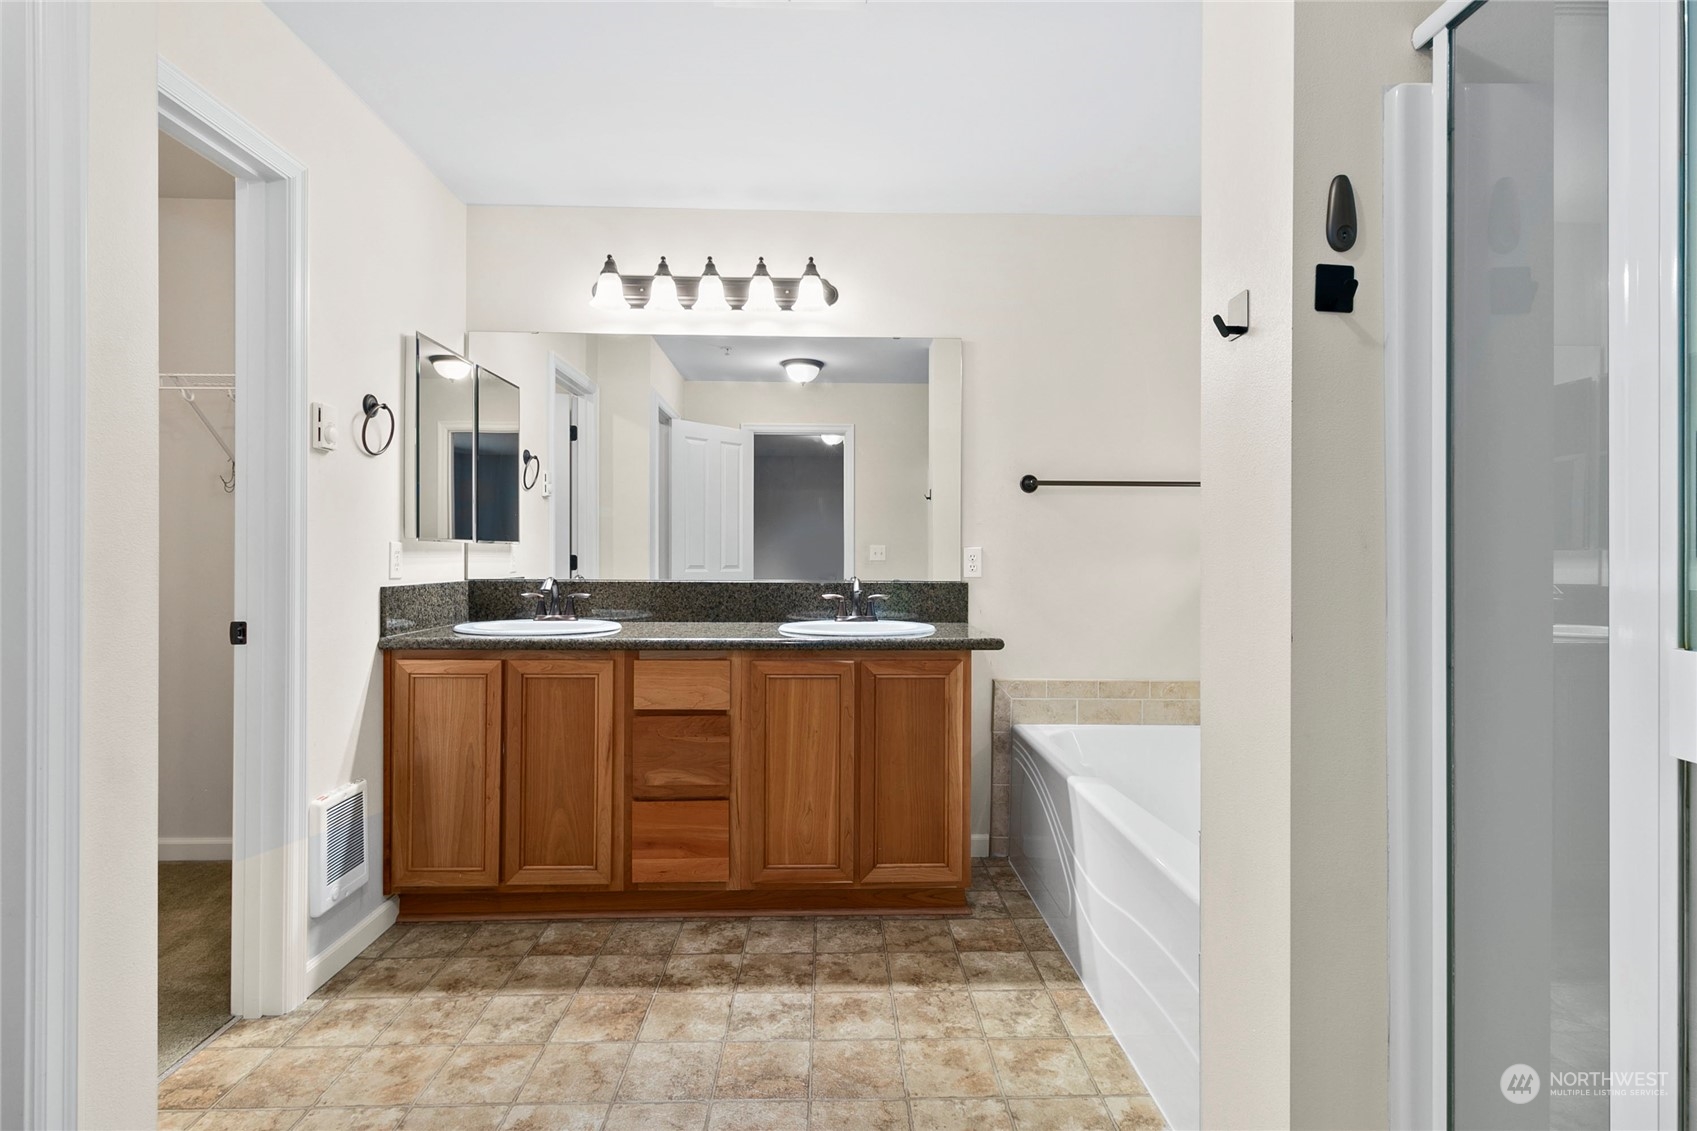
(1062, 108)
(848, 361)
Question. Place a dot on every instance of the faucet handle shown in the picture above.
(540, 598)
(842, 604)
(571, 600)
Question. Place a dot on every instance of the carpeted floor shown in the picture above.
(194, 955)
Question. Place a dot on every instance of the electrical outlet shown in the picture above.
(972, 562)
(874, 553)
(394, 561)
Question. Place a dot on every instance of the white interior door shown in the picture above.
(712, 502)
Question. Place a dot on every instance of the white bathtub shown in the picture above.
(1105, 828)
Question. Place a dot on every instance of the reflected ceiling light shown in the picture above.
(810, 292)
(710, 290)
(449, 366)
(762, 294)
(609, 292)
(801, 370)
(663, 289)
(830, 439)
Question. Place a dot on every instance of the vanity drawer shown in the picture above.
(683, 685)
(680, 757)
(680, 842)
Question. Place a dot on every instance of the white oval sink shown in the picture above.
(856, 629)
(531, 628)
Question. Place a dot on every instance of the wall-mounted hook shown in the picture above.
(1236, 322)
(1341, 228)
(1334, 288)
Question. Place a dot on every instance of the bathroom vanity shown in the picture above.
(677, 767)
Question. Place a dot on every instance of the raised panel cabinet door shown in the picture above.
(796, 782)
(912, 728)
(559, 774)
(445, 773)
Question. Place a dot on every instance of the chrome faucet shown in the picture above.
(551, 598)
(856, 605)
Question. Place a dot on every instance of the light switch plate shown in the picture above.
(394, 561)
(972, 562)
(875, 553)
(324, 435)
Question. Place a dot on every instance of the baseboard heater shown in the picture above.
(336, 852)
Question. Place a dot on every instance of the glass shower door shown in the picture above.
(1528, 566)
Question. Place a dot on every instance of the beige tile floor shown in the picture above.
(701, 1024)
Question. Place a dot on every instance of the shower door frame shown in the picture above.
(1652, 684)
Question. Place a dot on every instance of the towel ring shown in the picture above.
(532, 469)
(372, 406)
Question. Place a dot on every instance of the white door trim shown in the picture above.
(268, 969)
(43, 223)
(580, 502)
(659, 488)
(848, 476)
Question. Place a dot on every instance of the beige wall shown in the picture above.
(1346, 55)
(890, 465)
(1247, 158)
(1294, 869)
(197, 569)
(119, 772)
(1080, 359)
(386, 253)
(386, 256)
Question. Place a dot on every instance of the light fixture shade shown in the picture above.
(810, 294)
(609, 292)
(762, 295)
(710, 292)
(663, 291)
(448, 366)
(831, 439)
(801, 370)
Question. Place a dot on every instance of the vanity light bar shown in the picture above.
(787, 293)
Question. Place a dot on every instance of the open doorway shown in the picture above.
(198, 485)
(803, 502)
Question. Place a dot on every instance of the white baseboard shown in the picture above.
(194, 848)
(981, 844)
(324, 965)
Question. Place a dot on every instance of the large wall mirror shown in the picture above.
(747, 458)
(466, 454)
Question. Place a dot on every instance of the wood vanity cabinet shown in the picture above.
(614, 782)
(797, 795)
(444, 756)
(557, 791)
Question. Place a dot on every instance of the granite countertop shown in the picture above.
(693, 636)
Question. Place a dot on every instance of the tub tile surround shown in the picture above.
(1124, 701)
(907, 1023)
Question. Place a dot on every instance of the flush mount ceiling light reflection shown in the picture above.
(801, 370)
(758, 292)
(449, 366)
(830, 439)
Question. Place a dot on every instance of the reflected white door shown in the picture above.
(712, 502)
